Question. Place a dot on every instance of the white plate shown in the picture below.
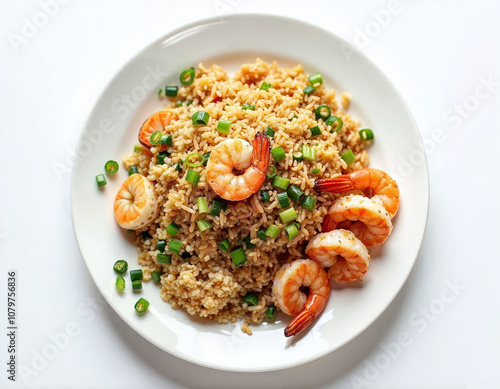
(111, 132)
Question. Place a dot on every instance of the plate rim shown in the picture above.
(211, 21)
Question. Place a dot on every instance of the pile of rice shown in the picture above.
(204, 281)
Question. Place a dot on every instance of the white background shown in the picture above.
(438, 53)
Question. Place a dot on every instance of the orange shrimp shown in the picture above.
(340, 250)
(383, 187)
(234, 156)
(155, 123)
(372, 222)
(292, 301)
(135, 203)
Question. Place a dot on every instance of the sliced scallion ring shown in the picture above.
(271, 172)
(194, 164)
(187, 76)
(112, 167)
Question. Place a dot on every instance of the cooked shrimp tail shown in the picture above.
(384, 189)
(290, 298)
(261, 152)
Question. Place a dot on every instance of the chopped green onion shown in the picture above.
(291, 231)
(278, 153)
(224, 245)
(348, 157)
(297, 156)
(309, 89)
(288, 215)
(261, 234)
(366, 134)
(137, 149)
(178, 167)
(155, 276)
(273, 231)
(331, 122)
(137, 285)
(160, 158)
(250, 107)
(187, 76)
(171, 91)
(264, 195)
(217, 207)
(271, 172)
(136, 275)
(297, 224)
(271, 313)
(251, 299)
(141, 305)
(200, 118)
(248, 243)
(283, 199)
(161, 245)
(194, 164)
(112, 167)
(309, 153)
(120, 283)
(160, 91)
(308, 202)
(204, 225)
(133, 170)
(269, 132)
(166, 139)
(223, 126)
(315, 170)
(265, 86)
(238, 256)
(206, 157)
(163, 258)
(174, 246)
(173, 229)
(146, 235)
(179, 103)
(295, 193)
(293, 117)
(281, 183)
(193, 177)
(120, 266)
(315, 131)
(202, 204)
(316, 78)
(155, 137)
(101, 180)
(323, 111)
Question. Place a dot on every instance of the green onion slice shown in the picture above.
(101, 180)
(200, 118)
(283, 199)
(291, 231)
(224, 245)
(278, 153)
(308, 202)
(202, 204)
(171, 91)
(269, 132)
(155, 276)
(315, 170)
(309, 153)
(203, 225)
(187, 76)
(160, 158)
(288, 215)
(173, 229)
(271, 313)
(136, 285)
(163, 258)
(133, 170)
(261, 234)
(297, 156)
(251, 299)
(250, 107)
(316, 78)
(120, 266)
(223, 126)
(281, 183)
(264, 195)
(323, 112)
(248, 243)
(309, 89)
(335, 122)
(174, 246)
(366, 134)
(193, 177)
(271, 172)
(315, 131)
(273, 231)
(141, 305)
(161, 245)
(348, 157)
(194, 164)
(265, 86)
(111, 167)
(136, 275)
(166, 139)
(120, 283)
(238, 256)
(218, 206)
(295, 193)
(155, 137)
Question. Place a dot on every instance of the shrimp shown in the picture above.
(372, 222)
(383, 187)
(234, 156)
(345, 255)
(135, 203)
(292, 301)
(155, 123)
